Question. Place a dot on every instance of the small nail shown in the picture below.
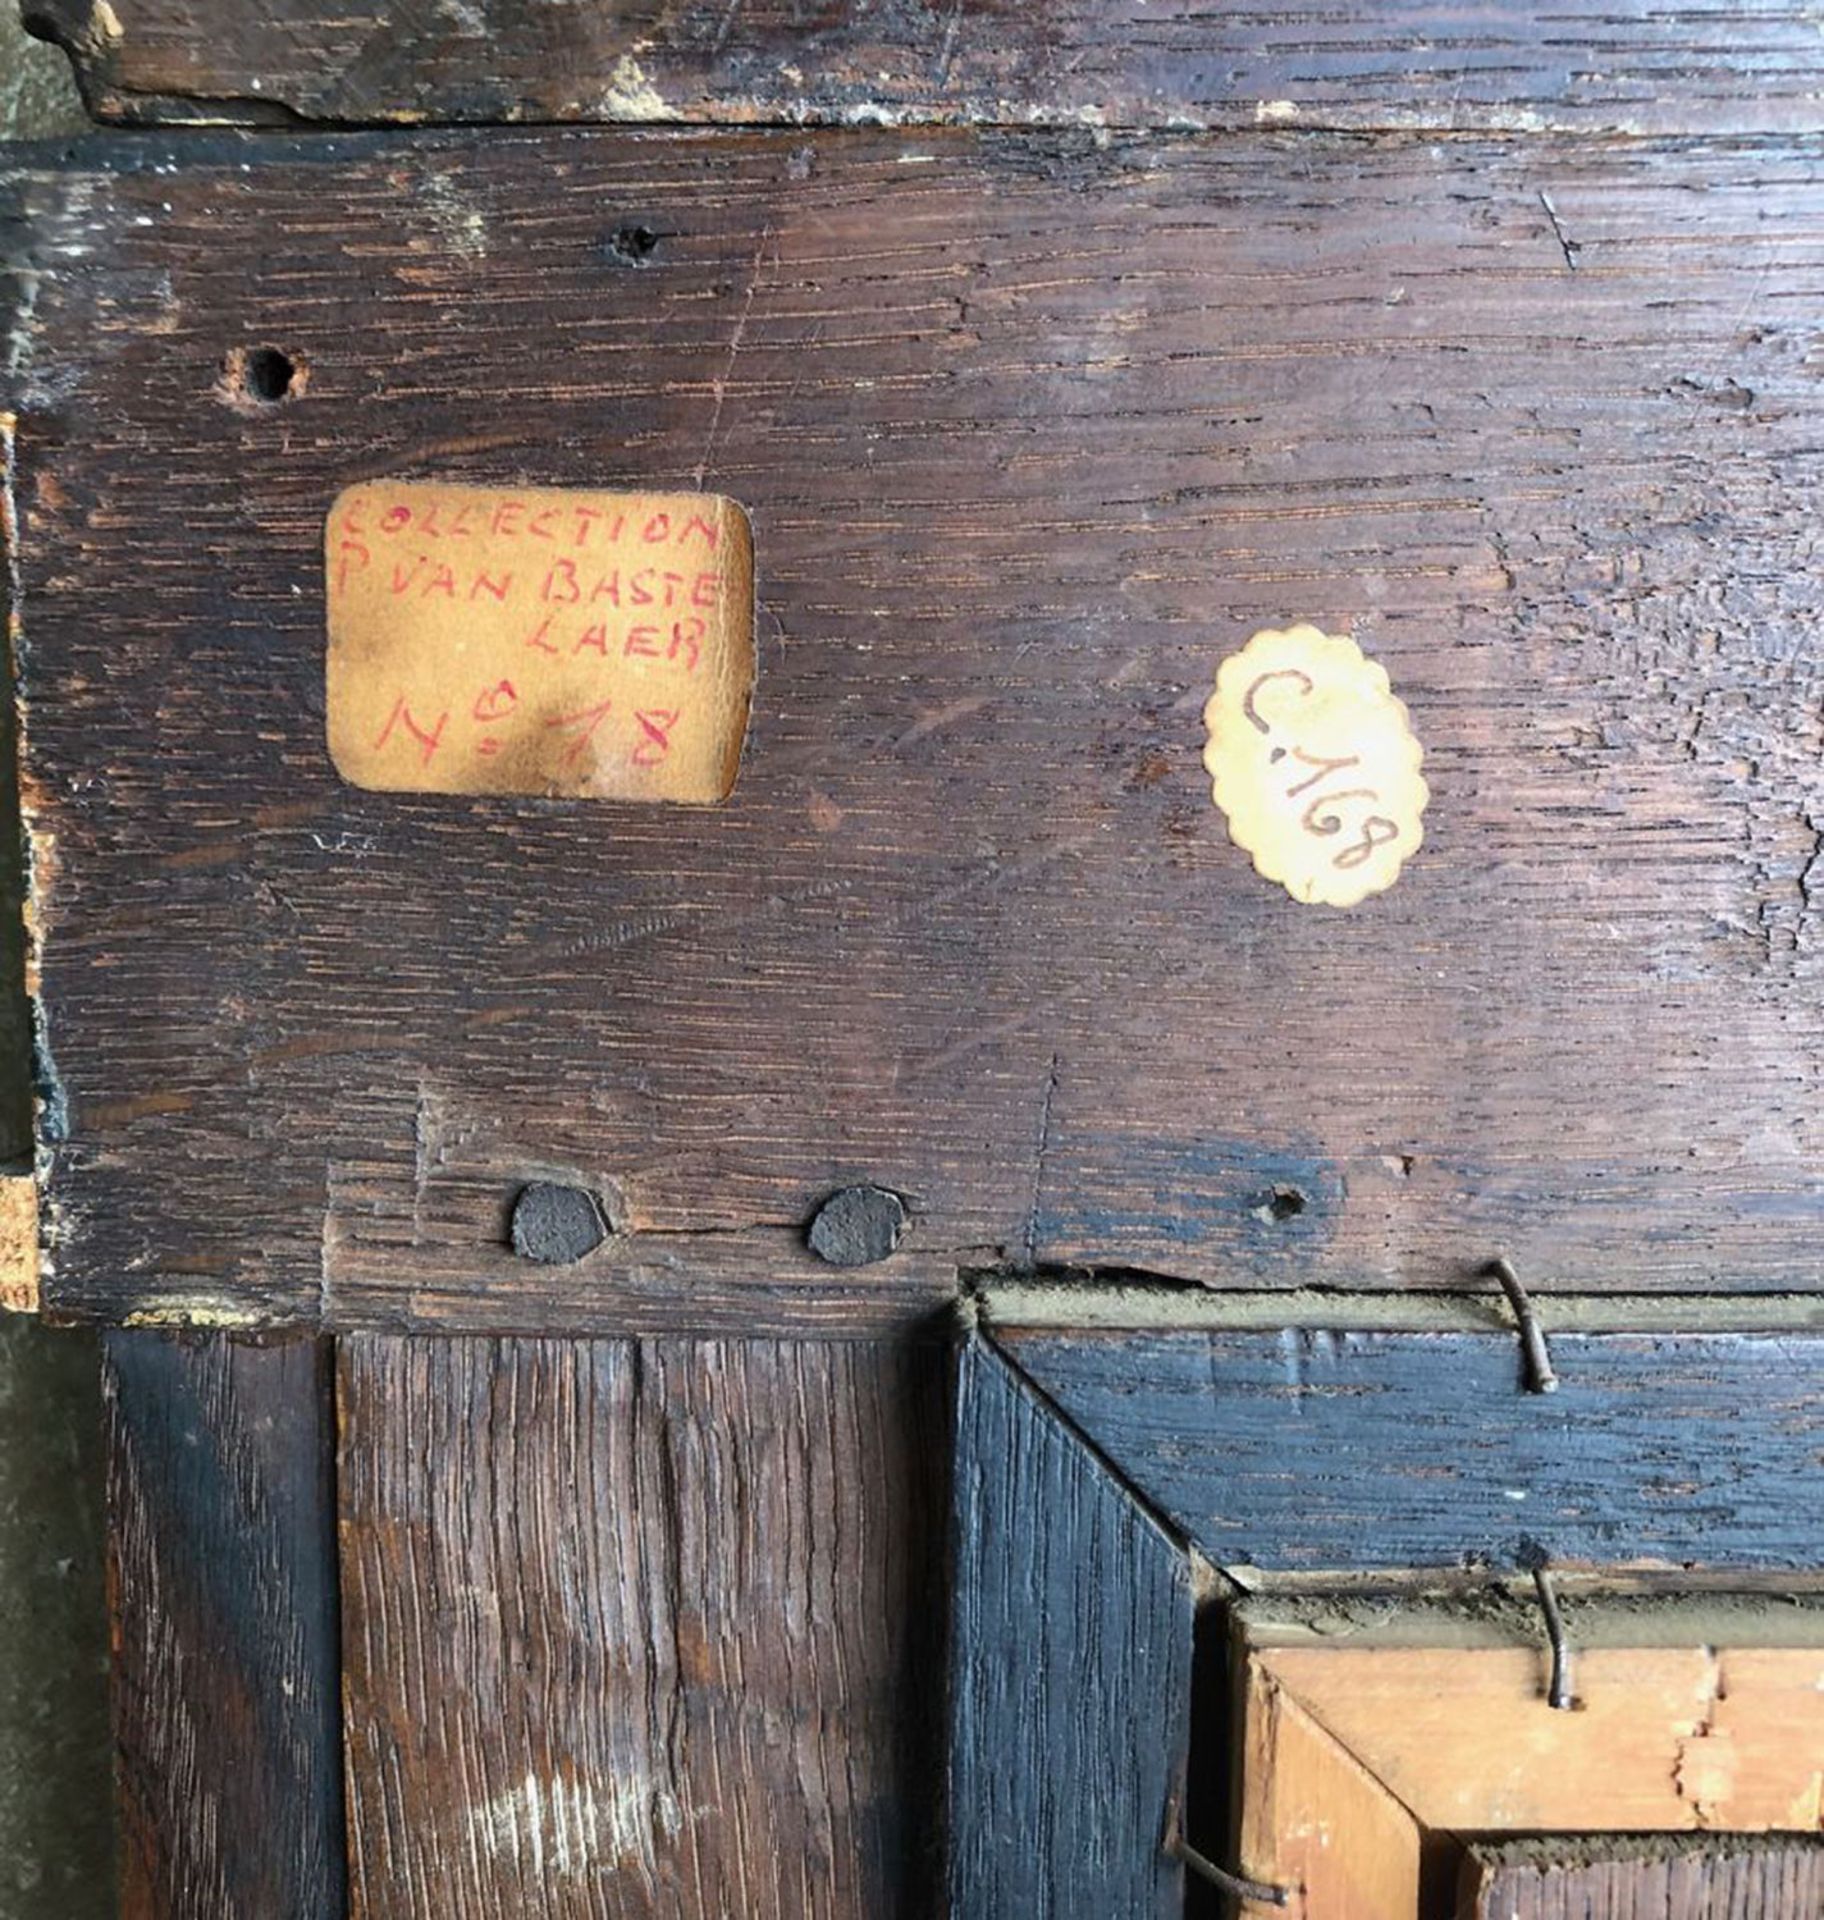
(1539, 1375)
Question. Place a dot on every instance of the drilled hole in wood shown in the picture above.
(633, 244)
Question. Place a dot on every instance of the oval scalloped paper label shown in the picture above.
(1314, 763)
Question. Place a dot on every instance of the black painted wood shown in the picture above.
(1070, 1685)
(222, 1580)
(1357, 1450)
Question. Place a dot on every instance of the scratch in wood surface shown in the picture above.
(734, 349)
(575, 1830)
(958, 1049)
(933, 718)
(724, 27)
(947, 53)
(1038, 1161)
(1567, 246)
(427, 1131)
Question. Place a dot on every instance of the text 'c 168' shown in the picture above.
(1314, 763)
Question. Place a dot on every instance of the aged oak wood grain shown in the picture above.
(1034, 429)
(222, 1594)
(642, 1628)
(1713, 1879)
(1614, 65)
(1070, 1672)
(1353, 1450)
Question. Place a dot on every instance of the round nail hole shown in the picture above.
(268, 375)
(633, 244)
(256, 378)
(1281, 1205)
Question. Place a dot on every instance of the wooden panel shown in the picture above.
(1070, 1673)
(1032, 432)
(222, 1587)
(1621, 64)
(1663, 1739)
(1315, 1819)
(1382, 1450)
(1721, 1879)
(641, 1628)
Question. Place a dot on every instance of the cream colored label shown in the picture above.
(536, 640)
(1314, 763)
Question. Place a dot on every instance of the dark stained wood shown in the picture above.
(642, 1628)
(222, 1588)
(1741, 1877)
(1033, 431)
(1070, 1672)
(1353, 1450)
(1618, 65)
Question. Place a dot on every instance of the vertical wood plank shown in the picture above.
(1313, 1817)
(1070, 1681)
(1572, 1878)
(222, 1587)
(641, 1628)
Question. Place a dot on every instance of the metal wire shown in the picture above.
(1231, 1883)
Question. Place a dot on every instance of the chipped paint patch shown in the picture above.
(21, 338)
(1275, 112)
(195, 1310)
(52, 1102)
(630, 95)
(455, 218)
(19, 1284)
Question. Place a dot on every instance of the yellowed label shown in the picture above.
(537, 640)
(1314, 763)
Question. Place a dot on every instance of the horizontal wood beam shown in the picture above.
(1357, 1451)
(1032, 432)
(1616, 66)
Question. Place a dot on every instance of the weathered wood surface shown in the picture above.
(1070, 1678)
(1341, 1451)
(222, 1587)
(642, 1628)
(1613, 65)
(1033, 431)
(1570, 1879)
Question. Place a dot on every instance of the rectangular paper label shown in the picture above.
(538, 640)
